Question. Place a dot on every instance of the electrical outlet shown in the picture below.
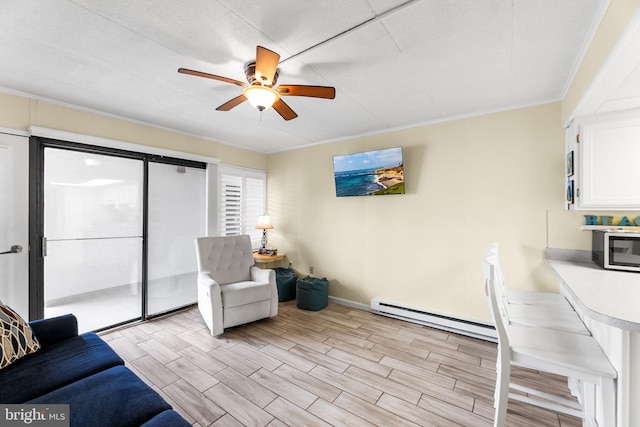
(310, 269)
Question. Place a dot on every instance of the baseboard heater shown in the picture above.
(460, 326)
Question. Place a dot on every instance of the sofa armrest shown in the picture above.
(52, 330)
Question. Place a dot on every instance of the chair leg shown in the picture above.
(501, 396)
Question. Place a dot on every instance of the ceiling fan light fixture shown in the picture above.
(261, 97)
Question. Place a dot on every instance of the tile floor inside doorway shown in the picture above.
(104, 308)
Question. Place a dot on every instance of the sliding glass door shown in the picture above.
(93, 218)
(118, 232)
(176, 217)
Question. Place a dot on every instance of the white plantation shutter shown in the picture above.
(254, 206)
(242, 201)
(230, 205)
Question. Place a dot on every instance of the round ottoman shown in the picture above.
(313, 293)
(286, 280)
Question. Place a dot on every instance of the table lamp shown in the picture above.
(264, 224)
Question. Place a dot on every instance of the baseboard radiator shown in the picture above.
(460, 326)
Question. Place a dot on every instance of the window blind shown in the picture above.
(242, 201)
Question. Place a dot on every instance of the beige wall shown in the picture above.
(20, 113)
(468, 183)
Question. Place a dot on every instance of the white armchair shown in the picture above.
(231, 289)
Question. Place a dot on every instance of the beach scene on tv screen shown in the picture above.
(371, 173)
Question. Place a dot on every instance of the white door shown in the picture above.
(14, 220)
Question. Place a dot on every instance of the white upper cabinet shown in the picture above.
(606, 162)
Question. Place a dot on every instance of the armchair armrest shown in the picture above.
(210, 303)
(52, 330)
(262, 274)
(205, 279)
(267, 275)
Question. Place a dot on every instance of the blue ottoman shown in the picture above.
(313, 293)
(286, 280)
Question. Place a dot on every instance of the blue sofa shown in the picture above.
(84, 372)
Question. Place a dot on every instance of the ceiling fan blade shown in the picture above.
(232, 103)
(284, 110)
(312, 91)
(211, 76)
(266, 64)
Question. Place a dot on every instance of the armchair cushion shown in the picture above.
(227, 259)
(241, 293)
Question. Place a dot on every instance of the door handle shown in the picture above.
(14, 250)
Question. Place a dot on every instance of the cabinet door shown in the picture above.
(609, 165)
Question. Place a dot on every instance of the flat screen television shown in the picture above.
(370, 173)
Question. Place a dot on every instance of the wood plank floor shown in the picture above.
(336, 367)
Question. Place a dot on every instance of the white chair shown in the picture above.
(576, 356)
(231, 289)
(545, 299)
(554, 316)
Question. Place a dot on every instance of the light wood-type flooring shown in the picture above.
(336, 367)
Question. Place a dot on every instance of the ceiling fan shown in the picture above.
(262, 76)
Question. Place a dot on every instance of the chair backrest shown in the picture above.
(226, 258)
(502, 284)
(491, 250)
(496, 304)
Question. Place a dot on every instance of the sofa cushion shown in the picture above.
(114, 397)
(167, 418)
(16, 337)
(55, 366)
(241, 293)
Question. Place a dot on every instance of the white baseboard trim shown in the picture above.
(475, 329)
(349, 303)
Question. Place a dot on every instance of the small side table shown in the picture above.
(265, 261)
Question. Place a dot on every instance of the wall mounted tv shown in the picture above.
(370, 173)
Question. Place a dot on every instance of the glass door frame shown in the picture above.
(37, 147)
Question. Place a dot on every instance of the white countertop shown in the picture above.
(612, 297)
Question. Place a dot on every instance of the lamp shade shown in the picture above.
(261, 97)
(264, 222)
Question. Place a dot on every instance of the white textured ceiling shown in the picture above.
(410, 63)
